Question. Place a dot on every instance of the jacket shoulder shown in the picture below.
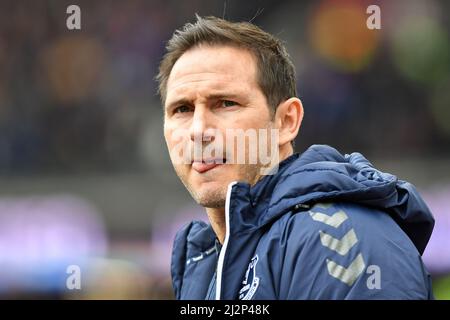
(184, 247)
(340, 226)
(333, 249)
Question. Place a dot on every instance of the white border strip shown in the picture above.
(225, 242)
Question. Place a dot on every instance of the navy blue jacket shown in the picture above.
(325, 226)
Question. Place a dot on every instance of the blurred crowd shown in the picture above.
(81, 100)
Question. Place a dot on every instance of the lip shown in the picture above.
(206, 165)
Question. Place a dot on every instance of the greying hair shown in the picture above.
(275, 70)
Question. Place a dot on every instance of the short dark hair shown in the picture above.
(275, 70)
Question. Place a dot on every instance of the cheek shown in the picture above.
(257, 117)
(175, 137)
(178, 147)
(168, 138)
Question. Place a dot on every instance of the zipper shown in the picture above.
(225, 242)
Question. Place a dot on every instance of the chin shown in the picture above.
(211, 196)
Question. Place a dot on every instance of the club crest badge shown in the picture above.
(251, 281)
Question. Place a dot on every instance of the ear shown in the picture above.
(288, 119)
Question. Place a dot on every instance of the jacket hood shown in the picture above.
(323, 174)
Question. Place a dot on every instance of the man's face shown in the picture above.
(212, 89)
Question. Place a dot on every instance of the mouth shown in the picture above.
(204, 165)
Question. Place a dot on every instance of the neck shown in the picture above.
(216, 217)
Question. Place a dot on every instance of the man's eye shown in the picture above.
(229, 103)
(181, 109)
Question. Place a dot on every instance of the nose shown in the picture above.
(200, 126)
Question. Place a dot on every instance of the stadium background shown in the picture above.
(85, 178)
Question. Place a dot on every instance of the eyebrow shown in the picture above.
(214, 96)
(180, 102)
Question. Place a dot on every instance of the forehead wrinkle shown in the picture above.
(189, 75)
(195, 90)
(220, 70)
(224, 61)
